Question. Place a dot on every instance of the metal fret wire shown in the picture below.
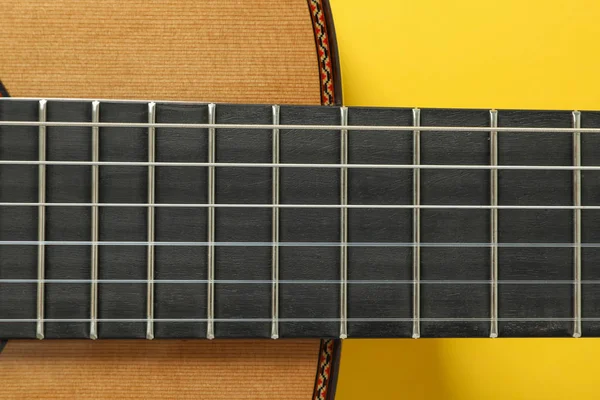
(210, 307)
(343, 225)
(151, 193)
(577, 225)
(275, 231)
(416, 226)
(494, 225)
(95, 200)
(41, 261)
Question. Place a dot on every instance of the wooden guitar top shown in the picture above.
(241, 51)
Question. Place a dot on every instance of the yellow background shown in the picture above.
(470, 53)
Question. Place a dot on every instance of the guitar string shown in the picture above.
(301, 165)
(270, 127)
(158, 101)
(283, 320)
(325, 206)
(309, 281)
(295, 244)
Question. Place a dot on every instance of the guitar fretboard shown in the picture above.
(160, 219)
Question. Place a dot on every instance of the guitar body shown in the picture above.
(250, 51)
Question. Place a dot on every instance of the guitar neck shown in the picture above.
(124, 219)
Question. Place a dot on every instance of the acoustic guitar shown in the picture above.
(187, 210)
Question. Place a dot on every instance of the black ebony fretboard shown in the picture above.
(256, 270)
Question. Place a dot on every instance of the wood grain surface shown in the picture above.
(239, 51)
(257, 51)
(218, 369)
